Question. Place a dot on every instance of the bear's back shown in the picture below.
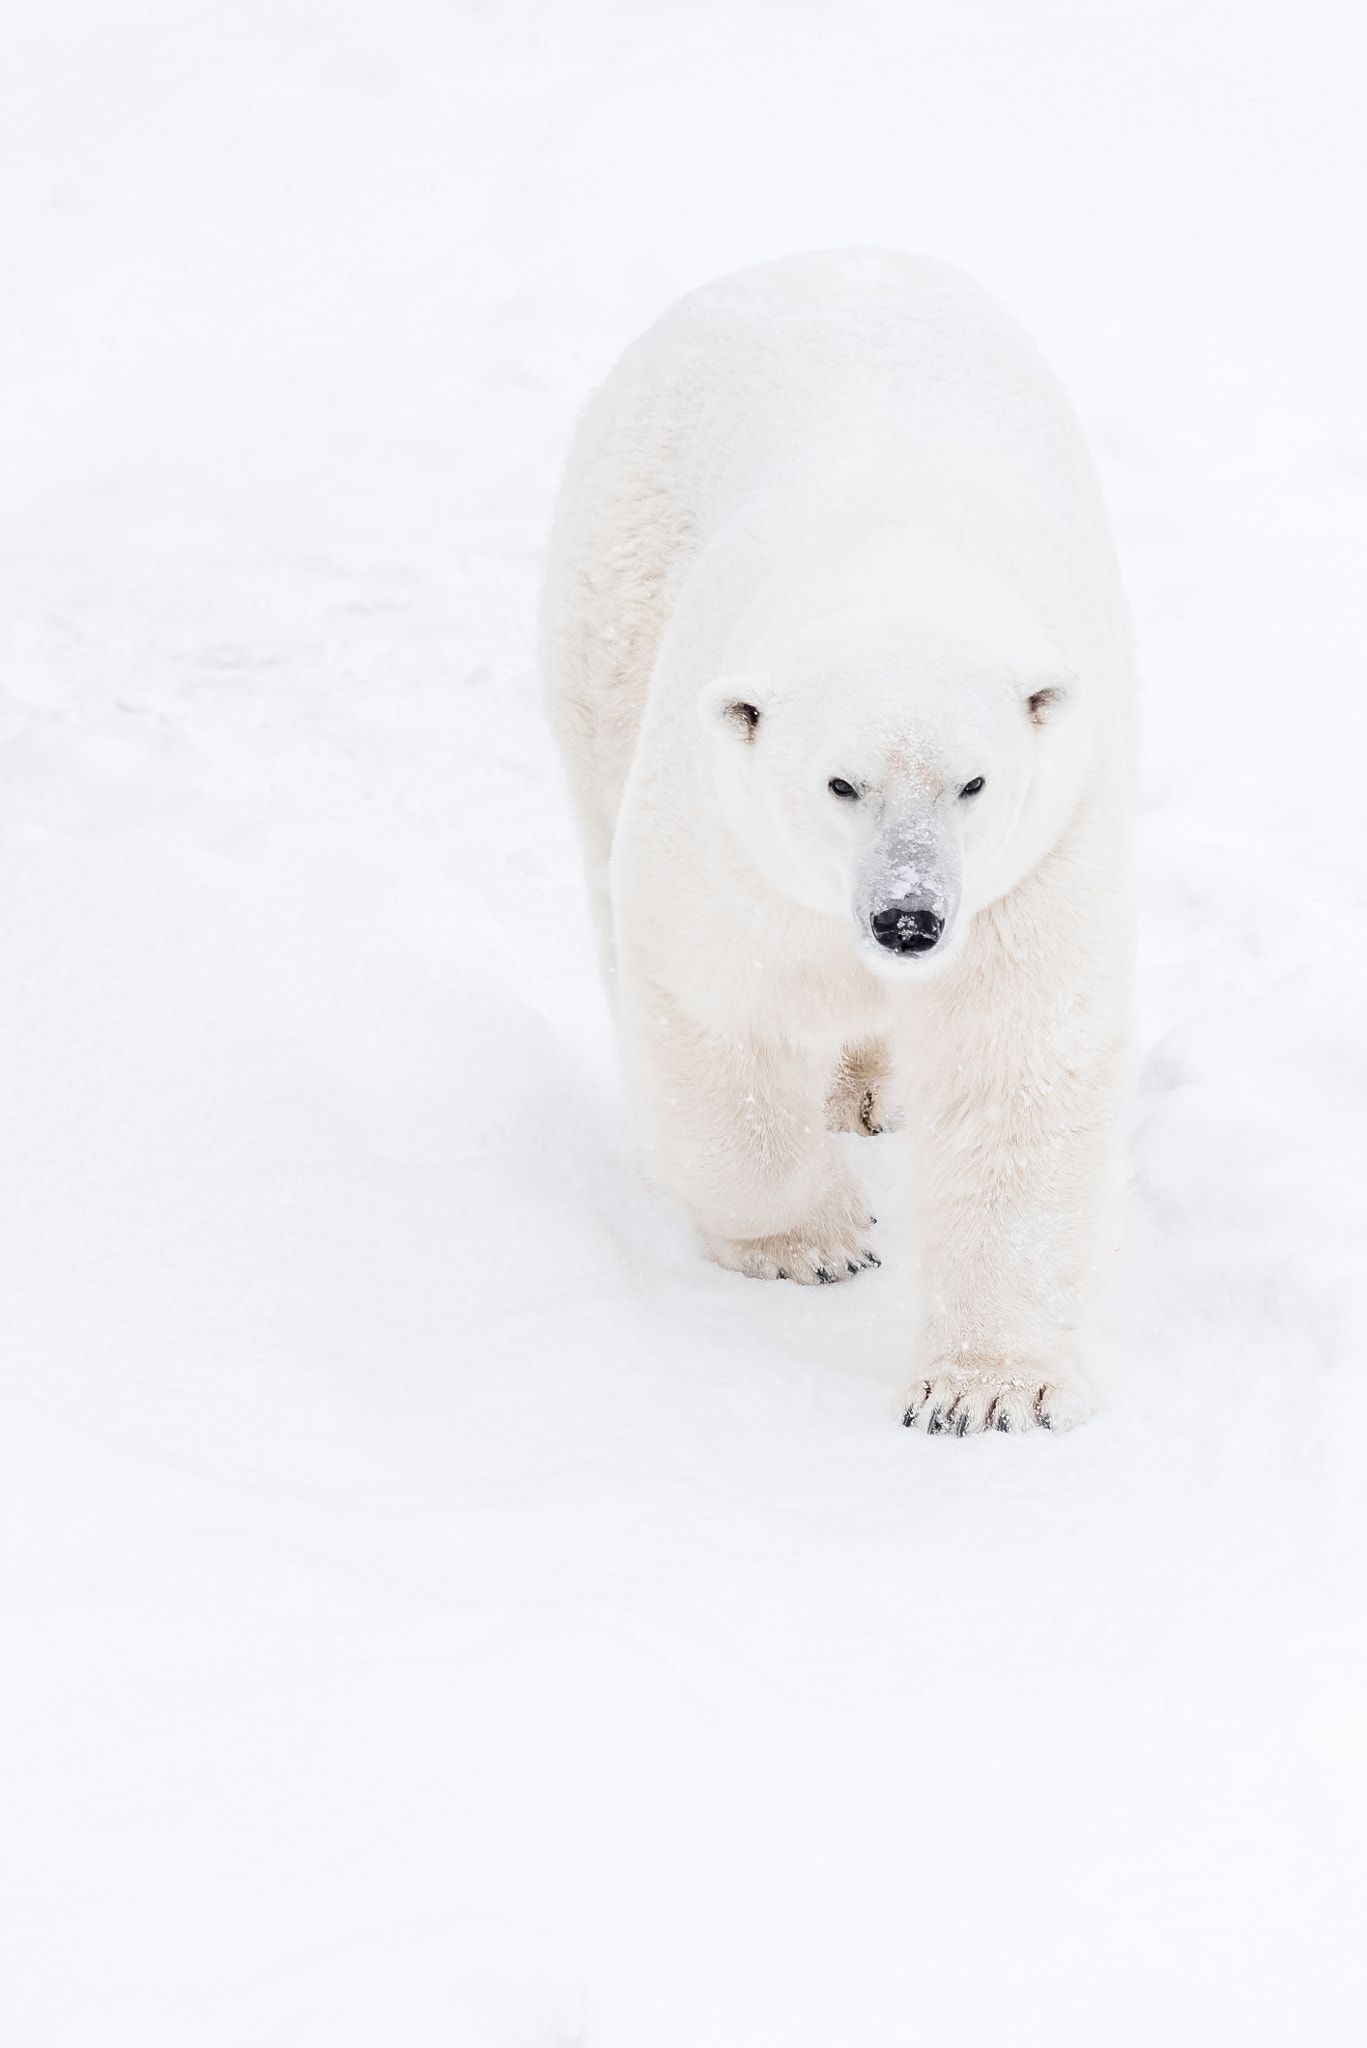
(791, 407)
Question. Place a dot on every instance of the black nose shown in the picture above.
(904, 929)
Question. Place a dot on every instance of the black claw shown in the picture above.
(873, 1258)
(823, 1276)
(873, 1219)
(935, 1426)
(961, 1426)
(850, 1266)
(1003, 1420)
(909, 1418)
(783, 1272)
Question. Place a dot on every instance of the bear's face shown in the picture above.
(901, 791)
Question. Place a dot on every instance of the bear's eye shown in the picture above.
(839, 787)
(972, 788)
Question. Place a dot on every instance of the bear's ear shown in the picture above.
(1045, 696)
(729, 701)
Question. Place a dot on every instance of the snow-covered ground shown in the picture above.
(439, 1611)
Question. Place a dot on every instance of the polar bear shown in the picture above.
(839, 661)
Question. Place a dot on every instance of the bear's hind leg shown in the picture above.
(860, 1100)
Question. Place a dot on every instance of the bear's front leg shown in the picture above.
(734, 1129)
(1016, 1077)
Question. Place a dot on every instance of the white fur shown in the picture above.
(845, 491)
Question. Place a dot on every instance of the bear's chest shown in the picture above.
(803, 985)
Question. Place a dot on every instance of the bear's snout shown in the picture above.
(906, 928)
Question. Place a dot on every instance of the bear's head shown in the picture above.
(901, 779)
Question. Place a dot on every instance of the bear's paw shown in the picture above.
(1009, 1394)
(833, 1245)
(859, 1101)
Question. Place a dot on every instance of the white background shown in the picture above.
(439, 1611)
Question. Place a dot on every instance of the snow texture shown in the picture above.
(438, 1606)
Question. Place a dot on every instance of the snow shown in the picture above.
(438, 1608)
